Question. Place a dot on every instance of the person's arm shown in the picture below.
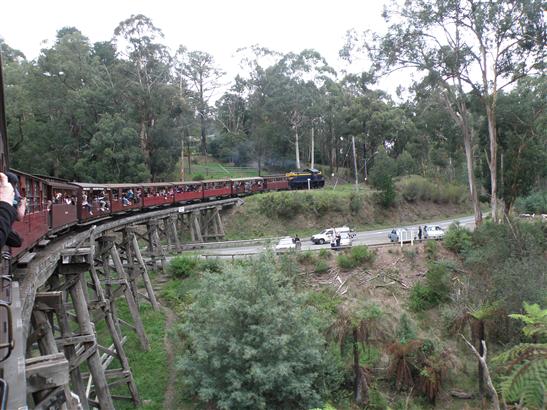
(21, 209)
(7, 211)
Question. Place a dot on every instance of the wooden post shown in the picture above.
(144, 271)
(133, 308)
(131, 269)
(48, 346)
(93, 361)
(219, 222)
(196, 226)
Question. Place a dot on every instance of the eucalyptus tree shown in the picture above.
(203, 77)
(233, 121)
(144, 78)
(466, 45)
(523, 139)
(305, 73)
(60, 118)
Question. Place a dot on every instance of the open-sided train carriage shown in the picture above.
(188, 191)
(62, 197)
(217, 188)
(157, 194)
(34, 225)
(124, 197)
(247, 186)
(93, 202)
(276, 183)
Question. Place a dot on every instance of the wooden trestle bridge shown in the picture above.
(54, 303)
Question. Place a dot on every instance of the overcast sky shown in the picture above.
(218, 27)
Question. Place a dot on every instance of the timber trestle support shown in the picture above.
(72, 289)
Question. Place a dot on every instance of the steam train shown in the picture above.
(54, 205)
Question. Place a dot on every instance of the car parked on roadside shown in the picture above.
(287, 244)
(328, 234)
(346, 241)
(433, 232)
(401, 233)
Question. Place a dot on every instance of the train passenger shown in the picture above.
(130, 196)
(125, 201)
(102, 202)
(86, 204)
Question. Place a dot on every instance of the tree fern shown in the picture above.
(526, 363)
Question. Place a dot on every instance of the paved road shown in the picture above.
(362, 238)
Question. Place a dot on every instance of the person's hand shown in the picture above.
(6, 189)
(21, 209)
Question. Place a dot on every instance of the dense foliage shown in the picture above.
(122, 110)
(252, 343)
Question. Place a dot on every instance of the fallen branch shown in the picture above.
(486, 372)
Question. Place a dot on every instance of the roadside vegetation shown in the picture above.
(304, 212)
(376, 328)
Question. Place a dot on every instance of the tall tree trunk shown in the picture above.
(144, 145)
(360, 381)
(477, 337)
(203, 134)
(188, 153)
(312, 161)
(297, 148)
(462, 117)
(493, 162)
(473, 193)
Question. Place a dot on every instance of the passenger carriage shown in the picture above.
(247, 186)
(34, 225)
(93, 201)
(276, 183)
(188, 191)
(124, 197)
(62, 197)
(157, 194)
(218, 188)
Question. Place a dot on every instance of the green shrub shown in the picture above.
(361, 254)
(457, 238)
(410, 255)
(386, 196)
(212, 265)
(434, 291)
(321, 266)
(418, 188)
(355, 203)
(535, 203)
(377, 401)
(306, 258)
(198, 177)
(345, 262)
(324, 254)
(438, 281)
(431, 250)
(325, 300)
(406, 330)
(183, 266)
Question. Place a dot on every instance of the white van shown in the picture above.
(328, 234)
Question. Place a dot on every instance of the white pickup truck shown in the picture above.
(328, 234)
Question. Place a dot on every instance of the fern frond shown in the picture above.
(523, 351)
(527, 383)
